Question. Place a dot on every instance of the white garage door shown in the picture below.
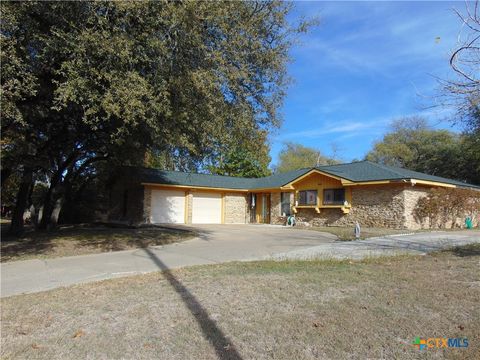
(168, 206)
(207, 208)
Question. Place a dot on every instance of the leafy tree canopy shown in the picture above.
(296, 156)
(246, 156)
(411, 143)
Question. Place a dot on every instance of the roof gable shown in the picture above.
(279, 180)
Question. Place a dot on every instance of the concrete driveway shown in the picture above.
(215, 244)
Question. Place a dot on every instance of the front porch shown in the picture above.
(311, 196)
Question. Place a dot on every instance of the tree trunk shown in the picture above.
(5, 174)
(57, 207)
(16, 227)
(49, 200)
(48, 206)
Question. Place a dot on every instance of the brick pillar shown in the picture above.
(147, 204)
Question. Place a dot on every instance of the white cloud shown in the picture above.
(380, 40)
(350, 127)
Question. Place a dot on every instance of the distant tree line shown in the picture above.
(295, 156)
(413, 144)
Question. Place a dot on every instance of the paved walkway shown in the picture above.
(216, 244)
(418, 244)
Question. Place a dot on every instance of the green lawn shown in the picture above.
(260, 310)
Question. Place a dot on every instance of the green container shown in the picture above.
(468, 223)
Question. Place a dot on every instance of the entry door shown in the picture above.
(263, 208)
(266, 208)
(253, 208)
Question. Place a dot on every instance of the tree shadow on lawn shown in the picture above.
(20, 246)
(220, 342)
(25, 249)
(78, 240)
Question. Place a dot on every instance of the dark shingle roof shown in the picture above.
(164, 177)
(277, 180)
(369, 171)
(357, 172)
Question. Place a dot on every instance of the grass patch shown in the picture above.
(83, 240)
(282, 310)
(346, 233)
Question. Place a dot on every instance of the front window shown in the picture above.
(333, 196)
(285, 200)
(307, 197)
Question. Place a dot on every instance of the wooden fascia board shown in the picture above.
(380, 182)
(289, 186)
(432, 183)
(413, 182)
(265, 189)
(193, 187)
(346, 182)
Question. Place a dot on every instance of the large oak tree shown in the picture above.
(83, 82)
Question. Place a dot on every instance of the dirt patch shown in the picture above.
(82, 240)
(261, 310)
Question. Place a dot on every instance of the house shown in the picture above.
(372, 194)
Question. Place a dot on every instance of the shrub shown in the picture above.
(444, 205)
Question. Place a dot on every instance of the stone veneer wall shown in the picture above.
(411, 197)
(235, 207)
(413, 194)
(378, 206)
(381, 206)
(275, 209)
(189, 206)
(372, 206)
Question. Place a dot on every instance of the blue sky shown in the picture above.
(365, 64)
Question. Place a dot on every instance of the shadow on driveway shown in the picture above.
(464, 251)
(219, 341)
